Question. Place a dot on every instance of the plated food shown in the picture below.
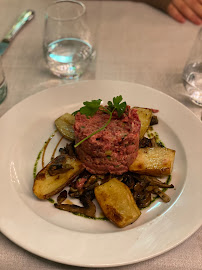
(39, 219)
(112, 155)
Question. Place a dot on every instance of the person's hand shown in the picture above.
(181, 10)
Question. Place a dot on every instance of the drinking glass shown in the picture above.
(68, 44)
(192, 73)
(3, 85)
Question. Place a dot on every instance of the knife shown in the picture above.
(23, 19)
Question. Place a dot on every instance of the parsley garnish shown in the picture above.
(91, 107)
(117, 105)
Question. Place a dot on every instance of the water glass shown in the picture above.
(69, 45)
(3, 85)
(192, 73)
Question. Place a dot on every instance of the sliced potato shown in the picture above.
(56, 175)
(145, 116)
(65, 125)
(117, 202)
(157, 161)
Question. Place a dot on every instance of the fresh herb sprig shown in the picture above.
(117, 105)
(91, 107)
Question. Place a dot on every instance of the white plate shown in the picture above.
(62, 237)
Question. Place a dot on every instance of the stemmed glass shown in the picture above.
(192, 73)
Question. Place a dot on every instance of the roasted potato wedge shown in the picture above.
(117, 202)
(145, 116)
(56, 175)
(65, 125)
(157, 161)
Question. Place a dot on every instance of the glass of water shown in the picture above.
(68, 44)
(192, 73)
(3, 85)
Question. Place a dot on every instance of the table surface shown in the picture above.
(135, 43)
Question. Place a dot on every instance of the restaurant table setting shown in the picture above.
(53, 57)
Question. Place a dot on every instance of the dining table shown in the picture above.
(135, 43)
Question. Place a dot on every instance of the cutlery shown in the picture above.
(22, 20)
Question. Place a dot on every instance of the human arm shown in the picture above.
(160, 4)
(180, 10)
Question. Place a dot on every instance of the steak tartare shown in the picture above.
(111, 150)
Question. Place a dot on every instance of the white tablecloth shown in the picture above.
(135, 43)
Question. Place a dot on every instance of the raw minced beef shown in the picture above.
(111, 150)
